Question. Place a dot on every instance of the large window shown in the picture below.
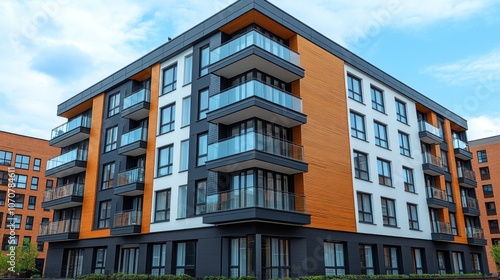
(389, 212)
(203, 104)
(457, 262)
(185, 258)
(201, 197)
(354, 88)
(167, 119)
(104, 214)
(444, 160)
(391, 256)
(184, 160)
(378, 99)
(162, 208)
(441, 262)
(204, 60)
(381, 135)
(111, 138)
(475, 260)
(169, 79)
(37, 163)
(186, 111)
(413, 216)
(365, 212)
(74, 265)
(358, 126)
(485, 173)
(188, 69)
(18, 201)
(202, 149)
(100, 260)
(487, 191)
(13, 220)
(453, 224)
(493, 226)
(334, 258)
(34, 183)
(360, 165)
(108, 176)
(275, 258)
(158, 259)
(384, 172)
(22, 162)
(404, 144)
(417, 256)
(129, 260)
(114, 104)
(165, 160)
(20, 181)
(366, 262)
(401, 111)
(240, 257)
(481, 156)
(408, 179)
(5, 158)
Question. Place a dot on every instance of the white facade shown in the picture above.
(392, 154)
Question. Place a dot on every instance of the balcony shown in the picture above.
(466, 177)
(127, 222)
(432, 165)
(136, 105)
(76, 130)
(475, 236)
(470, 206)
(62, 197)
(72, 162)
(254, 50)
(438, 198)
(255, 98)
(59, 230)
(130, 182)
(134, 142)
(251, 204)
(429, 134)
(256, 150)
(461, 149)
(441, 231)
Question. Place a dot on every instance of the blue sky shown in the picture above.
(448, 50)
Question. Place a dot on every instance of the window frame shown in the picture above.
(188, 69)
(389, 260)
(358, 170)
(336, 257)
(99, 263)
(30, 220)
(23, 183)
(37, 164)
(413, 216)
(165, 209)
(184, 156)
(204, 60)
(389, 215)
(111, 139)
(381, 140)
(167, 123)
(202, 149)
(482, 156)
(158, 262)
(21, 163)
(169, 165)
(31, 202)
(365, 215)
(104, 222)
(113, 104)
(4, 159)
(489, 193)
(401, 111)
(172, 80)
(351, 91)
(378, 103)
(108, 176)
(384, 172)
(186, 111)
(34, 183)
(357, 132)
(404, 144)
(408, 179)
(203, 101)
(200, 197)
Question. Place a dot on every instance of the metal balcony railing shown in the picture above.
(473, 232)
(76, 154)
(57, 227)
(63, 191)
(466, 173)
(138, 134)
(80, 121)
(425, 126)
(128, 218)
(135, 175)
(470, 202)
(136, 97)
(432, 159)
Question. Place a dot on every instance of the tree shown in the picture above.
(495, 253)
(4, 266)
(26, 256)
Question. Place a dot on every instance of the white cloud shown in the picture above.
(483, 126)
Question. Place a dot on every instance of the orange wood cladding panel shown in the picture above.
(327, 185)
(151, 149)
(92, 173)
(80, 108)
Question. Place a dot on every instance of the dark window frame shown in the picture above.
(377, 99)
(168, 166)
(167, 121)
(389, 219)
(364, 215)
(169, 84)
(354, 93)
(359, 171)
(163, 209)
(401, 111)
(22, 161)
(113, 104)
(357, 132)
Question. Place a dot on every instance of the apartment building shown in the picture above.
(486, 164)
(253, 145)
(24, 159)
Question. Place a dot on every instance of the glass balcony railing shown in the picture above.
(254, 38)
(469, 202)
(256, 197)
(57, 227)
(459, 144)
(425, 126)
(80, 121)
(474, 232)
(138, 134)
(441, 227)
(437, 193)
(131, 176)
(258, 89)
(63, 191)
(136, 97)
(466, 173)
(76, 154)
(255, 141)
(128, 218)
(432, 159)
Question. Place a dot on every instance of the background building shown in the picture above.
(487, 167)
(253, 145)
(28, 157)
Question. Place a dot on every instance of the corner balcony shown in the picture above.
(461, 149)
(136, 105)
(475, 236)
(76, 130)
(256, 204)
(72, 162)
(126, 223)
(429, 134)
(470, 206)
(130, 182)
(134, 142)
(252, 99)
(62, 197)
(256, 150)
(438, 198)
(466, 177)
(432, 165)
(441, 231)
(59, 230)
(254, 50)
